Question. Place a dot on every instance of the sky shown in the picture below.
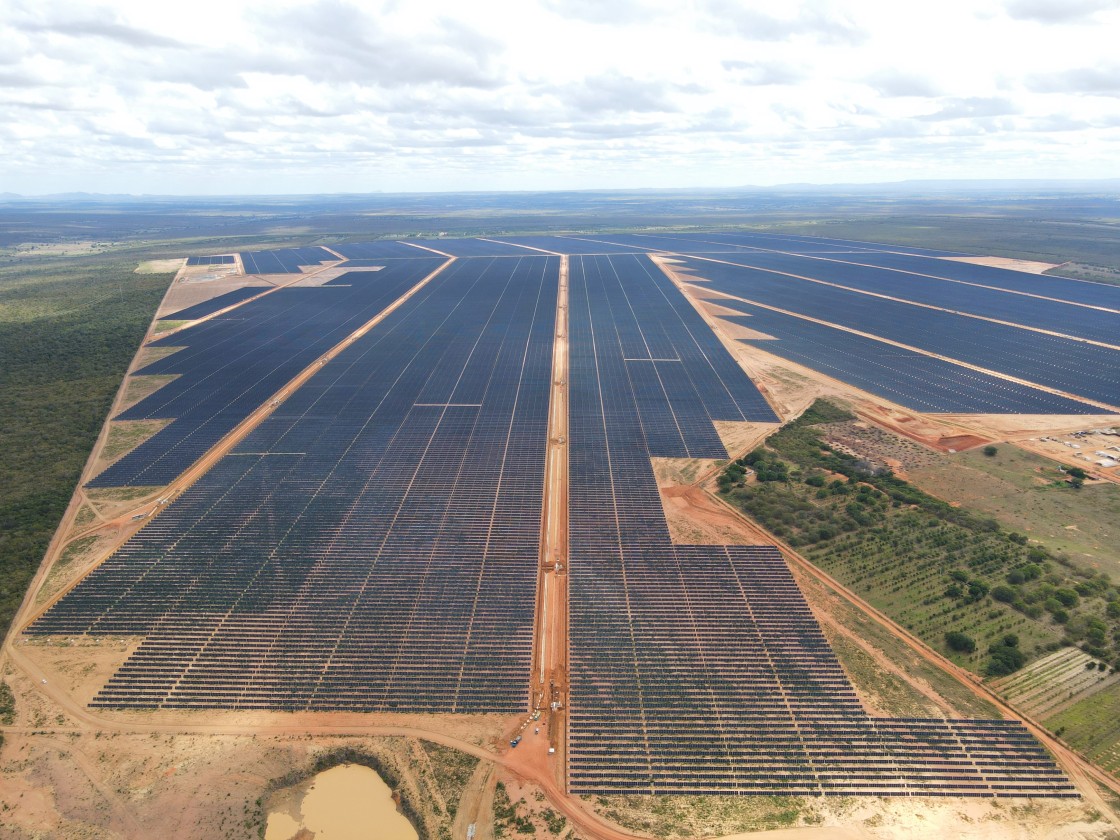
(277, 97)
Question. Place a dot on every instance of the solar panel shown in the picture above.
(701, 669)
(232, 364)
(371, 546)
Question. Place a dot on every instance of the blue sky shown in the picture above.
(224, 96)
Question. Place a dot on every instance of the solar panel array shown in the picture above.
(1066, 364)
(233, 363)
(224, 259)
(1060, 288)
(922, 382)
(384, 249)
(700, 669)
(372, 546)
(997, 304)
(681, 376)
(284, 260)
(208, 307)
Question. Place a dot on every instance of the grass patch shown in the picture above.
(126, 435)
(1092, 727)
(1021, 491)
(867, 675)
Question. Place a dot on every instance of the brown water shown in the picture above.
(348, 802)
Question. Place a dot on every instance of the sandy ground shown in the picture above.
(1029, 266)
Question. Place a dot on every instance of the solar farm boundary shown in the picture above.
(203, 464)
(698, 284)
(1082, 771)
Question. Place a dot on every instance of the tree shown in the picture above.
(990, 451)
(960, 642)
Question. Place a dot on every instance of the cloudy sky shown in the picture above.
(239, 96)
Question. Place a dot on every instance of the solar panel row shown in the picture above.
(373, 545)
(1081, 321)
(284, 260)
(1065, 364)
(902, 376)
(383, 249)
(207, 307)
(232, 363)
(224, 259)
(701, 669)
(681, 376)
(1059, 288)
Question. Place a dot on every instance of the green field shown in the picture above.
(1024, 492)
(1092, 727)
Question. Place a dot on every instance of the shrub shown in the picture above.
(960, 642)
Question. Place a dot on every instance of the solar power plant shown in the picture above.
(380, 250)
(1044, 285)
(1047, 314)
(373, 546)
(700, 669)
(681, 376)
(921, 382)
(224, 259)
(475, 247)
(208, 307)
(233, 363)
(1066, 364)
(571, 245)
(285, 260)
(812, 244)
(669, 242)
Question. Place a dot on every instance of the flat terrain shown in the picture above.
(889, 678)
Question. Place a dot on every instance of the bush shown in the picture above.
(960, 642)
(990, 451)
(1005, 657)
(1004, 593)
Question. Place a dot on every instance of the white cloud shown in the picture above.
(279, 95)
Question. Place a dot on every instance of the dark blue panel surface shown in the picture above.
(373, 546)
(1065, 364)
(1060, 288)
(923, 383)
(284, 261)
(232, 363)
(1050, 315)
(701, 669)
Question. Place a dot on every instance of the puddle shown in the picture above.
(348, 802)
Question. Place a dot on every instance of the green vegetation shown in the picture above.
(706, 816)
(68, 330)
(7, 705)
(1028, 494)
(960, 642)
(1092, 727)
(933, 567)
